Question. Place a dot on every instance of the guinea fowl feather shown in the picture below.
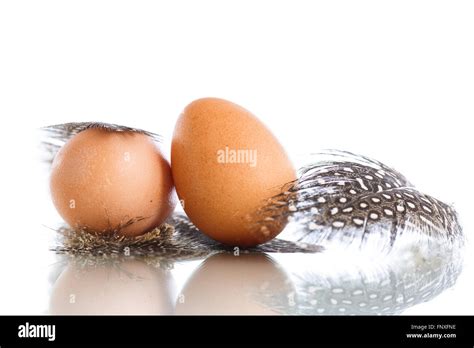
(354, 200)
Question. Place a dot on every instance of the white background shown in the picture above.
(393, 80)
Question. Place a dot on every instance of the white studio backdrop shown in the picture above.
(393, 80)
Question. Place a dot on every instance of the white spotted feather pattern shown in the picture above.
(356, 200)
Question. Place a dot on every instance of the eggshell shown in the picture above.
(226, 165)
(103, 180)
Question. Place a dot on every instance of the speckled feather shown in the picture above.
(351, 197)
(176, 240)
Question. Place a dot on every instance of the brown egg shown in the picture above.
(103, 180)
(226, 165)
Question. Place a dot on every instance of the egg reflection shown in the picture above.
(228, 284)
(126, 287)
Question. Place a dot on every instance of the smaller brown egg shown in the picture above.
(103, 180)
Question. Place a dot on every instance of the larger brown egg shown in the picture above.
(226, 165)
(103, 181)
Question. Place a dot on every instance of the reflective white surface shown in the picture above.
(390, 80)
(37, 281)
